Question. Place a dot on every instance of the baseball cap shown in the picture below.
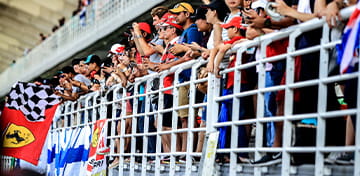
(234, 22)
(117, 49)
(92, 59)
(200, 13)
(170, 20)
(217, 5)
(182, 7)
(221, 8)
(145, 27)
(259, 3)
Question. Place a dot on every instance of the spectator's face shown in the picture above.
(62, 79)
(169, 31)
(76, 68)
(247, 3)
(125, 60)
(161, 32)
(233, 4)
(182, 17)
(202, 25)
(91, 66)
(210, 15)
(231, 32)
(114, 59)
(156, 20)
(83, 68)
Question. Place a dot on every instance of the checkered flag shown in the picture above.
(32, 100)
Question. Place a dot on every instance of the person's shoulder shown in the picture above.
(77, 77)
(193, 27)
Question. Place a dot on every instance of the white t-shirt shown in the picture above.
(210, 43)
(81, 78)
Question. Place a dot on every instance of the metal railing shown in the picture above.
(98, 20)
(113, 104)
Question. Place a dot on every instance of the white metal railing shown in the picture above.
(101, 18)
(95, 106)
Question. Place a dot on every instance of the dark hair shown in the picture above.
(38, 79)
(75, 61)
(178, 31)
(94, 59)
(159, 11)
(68, 69)
(107, 62)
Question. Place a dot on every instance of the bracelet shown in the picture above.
(138, 36)
(124, 70)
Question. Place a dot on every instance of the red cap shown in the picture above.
(145, 27)
(169, 19)
(234, 22)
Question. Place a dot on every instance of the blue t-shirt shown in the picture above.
(191, 34)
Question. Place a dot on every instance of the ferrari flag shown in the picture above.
(26, 119)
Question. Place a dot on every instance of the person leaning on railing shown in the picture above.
(65, 78)
(305, 98)
(332, 14)
(183, 12)
(171, 30)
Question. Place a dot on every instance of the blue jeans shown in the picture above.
(246, 106)
(272, 78)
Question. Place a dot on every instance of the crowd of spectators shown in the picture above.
(81, 10)
(183, 33)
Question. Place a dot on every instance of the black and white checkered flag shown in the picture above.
(32, 100)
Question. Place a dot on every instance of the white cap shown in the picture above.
(259, 3)
(117, 48)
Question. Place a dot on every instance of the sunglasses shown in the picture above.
(178, 5)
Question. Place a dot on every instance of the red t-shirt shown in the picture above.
(167, 57)
(231, 75)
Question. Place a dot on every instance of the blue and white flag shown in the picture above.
(68, 152)
(349, 48)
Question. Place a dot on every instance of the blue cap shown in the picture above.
(92, 59)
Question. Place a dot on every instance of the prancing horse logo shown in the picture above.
(17, 136)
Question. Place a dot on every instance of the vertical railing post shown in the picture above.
(235, 112)
(146, 127)
(159, 124)
(175, 116)
(288, 103)
(260, 103)
(357, 132)
(322, 99)
(134, 118)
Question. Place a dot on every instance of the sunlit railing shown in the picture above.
(111, 104)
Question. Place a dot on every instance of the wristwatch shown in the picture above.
(267, 23)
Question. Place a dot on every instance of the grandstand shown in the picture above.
(104, 25)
